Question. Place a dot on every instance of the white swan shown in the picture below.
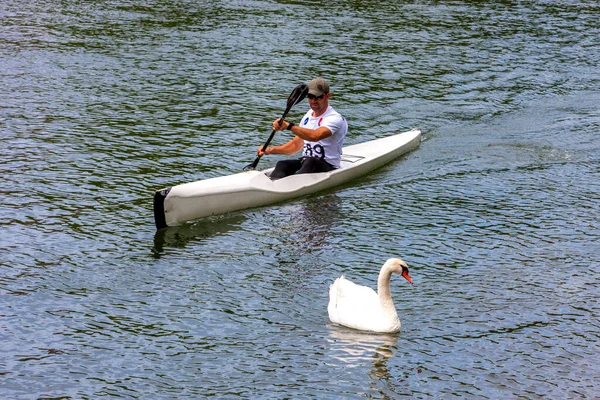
(359, 307)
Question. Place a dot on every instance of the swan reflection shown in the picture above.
(354, 348)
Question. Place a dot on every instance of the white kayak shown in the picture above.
(190, 201)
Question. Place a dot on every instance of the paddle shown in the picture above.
(297, 95)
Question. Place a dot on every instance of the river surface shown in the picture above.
(497, 213)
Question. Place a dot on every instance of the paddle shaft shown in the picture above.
(296, 97)
(257, 159)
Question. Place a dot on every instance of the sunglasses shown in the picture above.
(313, 97)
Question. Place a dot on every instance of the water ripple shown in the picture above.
(496, 213)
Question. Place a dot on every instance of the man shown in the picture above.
(320, 135)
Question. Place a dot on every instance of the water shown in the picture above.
(496, 213)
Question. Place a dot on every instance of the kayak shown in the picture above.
(178, 204)
(191, 201)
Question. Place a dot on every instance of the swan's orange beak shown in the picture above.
(406, 276)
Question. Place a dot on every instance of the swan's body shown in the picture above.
(359, 307)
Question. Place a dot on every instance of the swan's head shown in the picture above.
(398, 266)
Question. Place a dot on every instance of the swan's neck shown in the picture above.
(383, 290)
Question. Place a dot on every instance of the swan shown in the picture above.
(359, 307)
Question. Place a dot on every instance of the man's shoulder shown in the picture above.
(332, 112)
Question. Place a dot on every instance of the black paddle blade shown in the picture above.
(252, 166)
(297, 95)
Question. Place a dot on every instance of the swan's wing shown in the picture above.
(349, 303)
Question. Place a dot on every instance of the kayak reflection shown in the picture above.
(309, 223)
(180, 236)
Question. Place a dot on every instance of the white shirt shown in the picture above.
(330, 148)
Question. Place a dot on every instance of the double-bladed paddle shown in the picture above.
(297, 95)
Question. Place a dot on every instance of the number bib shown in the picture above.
(313, 150)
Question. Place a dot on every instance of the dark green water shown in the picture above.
(497, 213)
